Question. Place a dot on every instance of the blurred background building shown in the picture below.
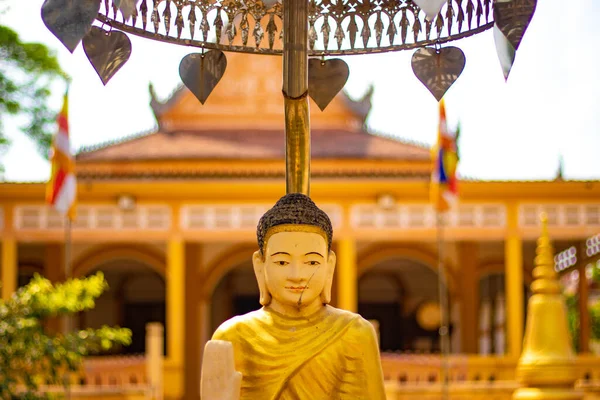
(170, 216)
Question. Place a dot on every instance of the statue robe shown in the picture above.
(332, 354)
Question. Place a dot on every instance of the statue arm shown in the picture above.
(372, 362)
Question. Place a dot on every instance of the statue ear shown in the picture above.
(259, 270)
(326, 293)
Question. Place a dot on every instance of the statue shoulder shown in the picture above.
(232, 328)
(364, 327)
(358, 326)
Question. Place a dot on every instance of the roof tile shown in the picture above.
(253, 144)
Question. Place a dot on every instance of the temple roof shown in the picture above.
(242, 121)
(359, 108)
(251, 145)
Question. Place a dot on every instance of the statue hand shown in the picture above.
(219, 380)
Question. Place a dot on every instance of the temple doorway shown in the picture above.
(402, 297)
(492, 312)
(136, 297)
(236, 294)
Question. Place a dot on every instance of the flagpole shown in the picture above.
(444, 320)
(61, 194)
(68, 321)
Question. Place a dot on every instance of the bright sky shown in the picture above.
(516, 130)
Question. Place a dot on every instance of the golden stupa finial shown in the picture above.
(544, 221)
(545, 278)
(546, 369)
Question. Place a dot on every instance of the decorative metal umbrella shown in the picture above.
(297, 30)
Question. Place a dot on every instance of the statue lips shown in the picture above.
(296, 288)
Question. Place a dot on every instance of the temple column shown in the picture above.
(204, 332)
(192, 321)
(584, 312)
(9, 267)
(347, 283)
(469, 304)
(10, 263)
(513, 255)
(174, 364)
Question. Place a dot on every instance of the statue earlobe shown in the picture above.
(259, 270)
(326, 293)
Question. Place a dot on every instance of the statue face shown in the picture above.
(297, 268)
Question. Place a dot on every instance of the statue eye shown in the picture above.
(282, 263)
(314, 263)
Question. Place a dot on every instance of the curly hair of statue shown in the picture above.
(294, 212)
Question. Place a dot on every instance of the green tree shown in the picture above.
(27, 70)
(573, 319)
(28, 354)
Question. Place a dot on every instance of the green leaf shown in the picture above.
(28, 354)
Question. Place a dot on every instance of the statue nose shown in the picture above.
(295, 275)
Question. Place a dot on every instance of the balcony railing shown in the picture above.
(407, 376)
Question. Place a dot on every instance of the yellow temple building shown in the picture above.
(169, 216)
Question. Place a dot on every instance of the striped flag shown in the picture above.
(61, 190)
(444, 183)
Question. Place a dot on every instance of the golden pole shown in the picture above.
(444, 309)
(295, 92)
(546, 369)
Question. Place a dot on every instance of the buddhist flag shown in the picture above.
(62, 187)
(444, 183)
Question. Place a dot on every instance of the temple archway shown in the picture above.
(224, 264)
(107, 254)
(401, 294)
(26, 273)
(136, 296)
(236, 293)
(492, 309)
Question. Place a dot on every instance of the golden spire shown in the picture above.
(544, 275)
(546, 368)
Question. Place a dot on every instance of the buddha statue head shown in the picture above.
(294, 264)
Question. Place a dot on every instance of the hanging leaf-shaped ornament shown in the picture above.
(379, 29)
(404, 23)
(312, 35)
(392, 31)
(431, 8)
(70, 20)
(339, 36)
(325, 79)
(270, 3)
(272, 30)
(127, 8)
(352, 31)
(258, 33)
(438, 69)
(416, 28)
(192, 21)
(326, 31)
(506, 51)
(513, 17)
(201, 73)
(107, 51)
(460, 16)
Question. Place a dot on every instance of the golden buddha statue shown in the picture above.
(296, 346)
